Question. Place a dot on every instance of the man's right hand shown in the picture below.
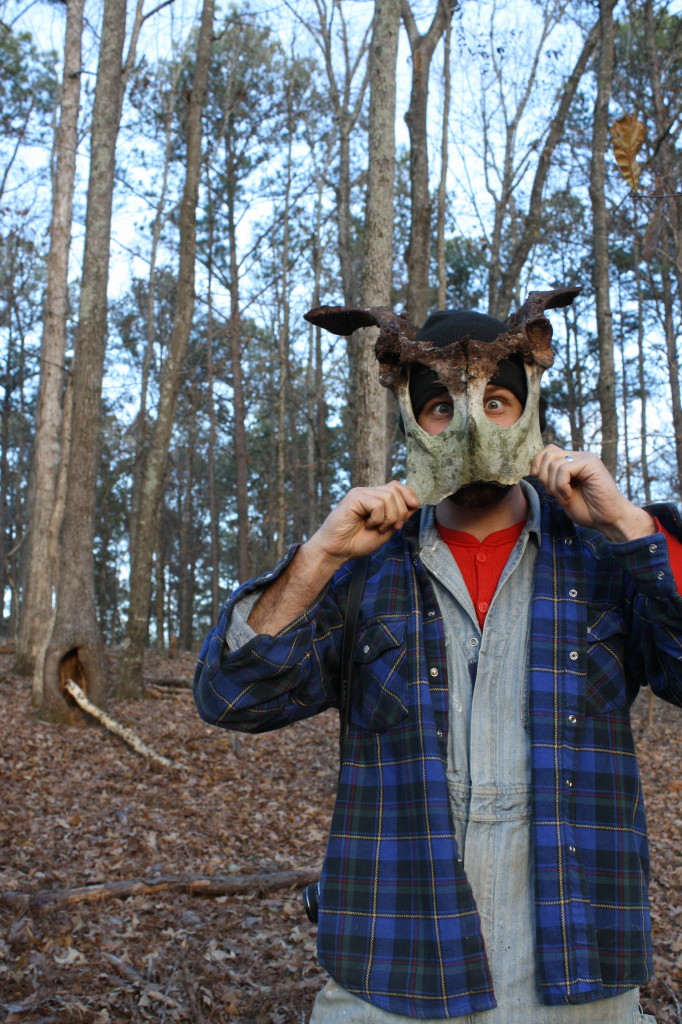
(362, 521)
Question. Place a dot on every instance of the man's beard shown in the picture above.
(481, 494)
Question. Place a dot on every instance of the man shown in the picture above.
(487, 857)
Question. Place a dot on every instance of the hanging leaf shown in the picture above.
(628, 136)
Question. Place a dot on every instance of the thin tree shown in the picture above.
(41, 565)
(442, 181)
(75, 645)
(667, 160)
(419, 248)
(130, 682)
(606, 387)
(367, 400)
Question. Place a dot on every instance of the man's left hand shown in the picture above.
(587, 492)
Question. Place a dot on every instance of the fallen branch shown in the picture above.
(195, 885)
(126, 734)
(128, 973)
(172, 682)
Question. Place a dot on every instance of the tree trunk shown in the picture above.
(37, 613)
(667, 159)
(130, 682)
(283, 360)
(186, 517)
(140, 431)
(367, 400)
(641, 375)
(606, 386)
(419, 247)
(443, 180)
(75, 646)
(241, 454)
(212, 435)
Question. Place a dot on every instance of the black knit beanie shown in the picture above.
(449, 325)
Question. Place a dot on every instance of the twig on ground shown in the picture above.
(195, 885)
(126, 734)
(673, 995)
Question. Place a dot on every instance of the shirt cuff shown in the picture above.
(646, 560)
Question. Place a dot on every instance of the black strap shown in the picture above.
(355, 591)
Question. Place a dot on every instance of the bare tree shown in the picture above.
(130, 683)
(504, 288)
(600, 275)
(443, 179)
(75, 646)
(367, 398)
(41, 566)
(419, 248)
(667, 165)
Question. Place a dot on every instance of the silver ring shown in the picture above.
(569, 458)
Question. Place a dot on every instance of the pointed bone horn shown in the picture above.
(343, 320)
(537, 302)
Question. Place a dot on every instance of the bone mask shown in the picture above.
(472, 448)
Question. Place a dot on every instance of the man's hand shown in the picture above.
(360, 523)
(587, 492)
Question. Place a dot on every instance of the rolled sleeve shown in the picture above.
(255, 682)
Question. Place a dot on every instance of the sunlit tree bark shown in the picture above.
(367, 399)
(41, 568)
(75, 646)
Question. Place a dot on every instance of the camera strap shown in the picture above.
(355, 591)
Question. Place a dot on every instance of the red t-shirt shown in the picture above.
(481, 561)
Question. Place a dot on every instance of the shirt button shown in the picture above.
(572, 719)
(573, 655)
(365, 649)
(573, 592)
(483, 607)
(439, 734)
(568, 540)
(653, 547)
(571, 849)
(660, 575)
(481, 557)
(569, 783)
(473, 642)
(433, 672)
(431, 613)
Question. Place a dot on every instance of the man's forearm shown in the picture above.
(294, 590)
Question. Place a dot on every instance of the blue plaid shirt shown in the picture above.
(398, 924)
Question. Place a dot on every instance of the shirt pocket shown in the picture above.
(380, 681)
(606, 685)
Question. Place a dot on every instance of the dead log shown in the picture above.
(126, 734)
(175, 682)
(195, 885)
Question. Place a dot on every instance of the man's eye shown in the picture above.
(493, 404)
(443, 409)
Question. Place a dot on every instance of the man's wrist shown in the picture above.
(316, 561)
(634, 523)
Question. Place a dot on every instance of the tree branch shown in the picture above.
(195, 885)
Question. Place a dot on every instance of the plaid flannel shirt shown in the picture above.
(398, 924)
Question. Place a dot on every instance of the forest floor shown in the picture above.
(79, 808)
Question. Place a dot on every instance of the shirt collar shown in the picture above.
(428, 531)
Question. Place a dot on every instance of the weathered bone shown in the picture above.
(528, 332)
